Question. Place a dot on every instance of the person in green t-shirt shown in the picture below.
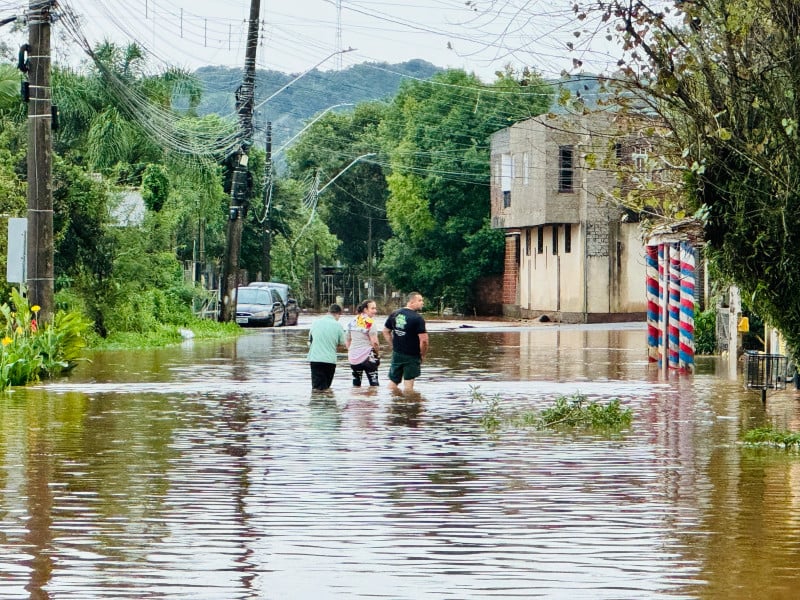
(324, 338)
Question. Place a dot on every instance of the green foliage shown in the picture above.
(574, 411)
(32, 350)
(435, 134)
(155, 187)
(727, 92)
(767, 436)
(10, 99)
(705, 331)
(492, 417)
(307, 97)
(354, 206)
(567, 412)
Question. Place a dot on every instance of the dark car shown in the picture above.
(259, 307)
(291, 309)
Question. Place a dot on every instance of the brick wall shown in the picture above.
(511, 270)
(489, 296)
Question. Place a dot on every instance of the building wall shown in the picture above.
(489, 295)
(511, 270)
(602, 277)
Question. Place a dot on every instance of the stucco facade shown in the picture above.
(569, 254)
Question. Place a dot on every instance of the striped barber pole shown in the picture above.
(652, 294)
(673, 330)
(686, 323)
(671, 275)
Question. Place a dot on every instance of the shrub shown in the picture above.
(566, 412)
(705, 332)
(31, 350)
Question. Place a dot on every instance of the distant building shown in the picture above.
(127, 209)
(571, 253)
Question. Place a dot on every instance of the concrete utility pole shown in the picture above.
(239, 187)
(268, 190)
(40, 158)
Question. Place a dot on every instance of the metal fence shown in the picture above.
(765, 372)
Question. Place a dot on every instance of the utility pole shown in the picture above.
(239, 184)
(268, 189)
(40, 274)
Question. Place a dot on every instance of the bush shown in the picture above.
(766, 436)
(566, 412)
(31, 350)
(705, 332)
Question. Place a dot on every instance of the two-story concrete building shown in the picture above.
(570, 254)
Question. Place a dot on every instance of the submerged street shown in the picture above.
(210, 471)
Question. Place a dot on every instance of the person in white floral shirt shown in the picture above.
(361, 339)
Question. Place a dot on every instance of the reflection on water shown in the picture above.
(212, 471)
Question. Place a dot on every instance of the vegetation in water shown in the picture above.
(766, 436)
(31, 350)
(567, 412)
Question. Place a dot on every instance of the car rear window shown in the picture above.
(254, 296)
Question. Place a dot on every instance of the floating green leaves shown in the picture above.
(766, 436)
(567, 412)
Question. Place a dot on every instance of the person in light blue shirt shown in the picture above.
(324, 338)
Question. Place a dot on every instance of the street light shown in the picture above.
(303, 74)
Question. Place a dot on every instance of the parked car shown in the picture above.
(291, 309)
(259, 307)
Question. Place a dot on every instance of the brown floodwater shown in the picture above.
(210, 471)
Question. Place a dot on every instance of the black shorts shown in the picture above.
(322, 375)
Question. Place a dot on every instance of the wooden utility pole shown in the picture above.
(239, 187)
(40, 158)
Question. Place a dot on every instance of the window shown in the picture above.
(565, 168)
(540, 240)
(567, 238)
(640, 166)
(506, 176)
(555, 239)
(528, 236)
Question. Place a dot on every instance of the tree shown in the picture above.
(100, 121)
(724, 75)
(436, 136)
(354, 206)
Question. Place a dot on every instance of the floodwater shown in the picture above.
(210, 471)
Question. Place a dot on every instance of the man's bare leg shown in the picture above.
(408, 385)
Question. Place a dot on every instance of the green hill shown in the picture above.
(316, 91)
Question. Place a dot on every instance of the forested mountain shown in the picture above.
(314, 92)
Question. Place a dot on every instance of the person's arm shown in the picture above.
(387, 335)
(376, 346)
(423, 345)
(347, 340)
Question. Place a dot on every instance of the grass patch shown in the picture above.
(165, 335)
(567, 412)
(766, 436)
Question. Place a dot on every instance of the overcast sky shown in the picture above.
(297, 35)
